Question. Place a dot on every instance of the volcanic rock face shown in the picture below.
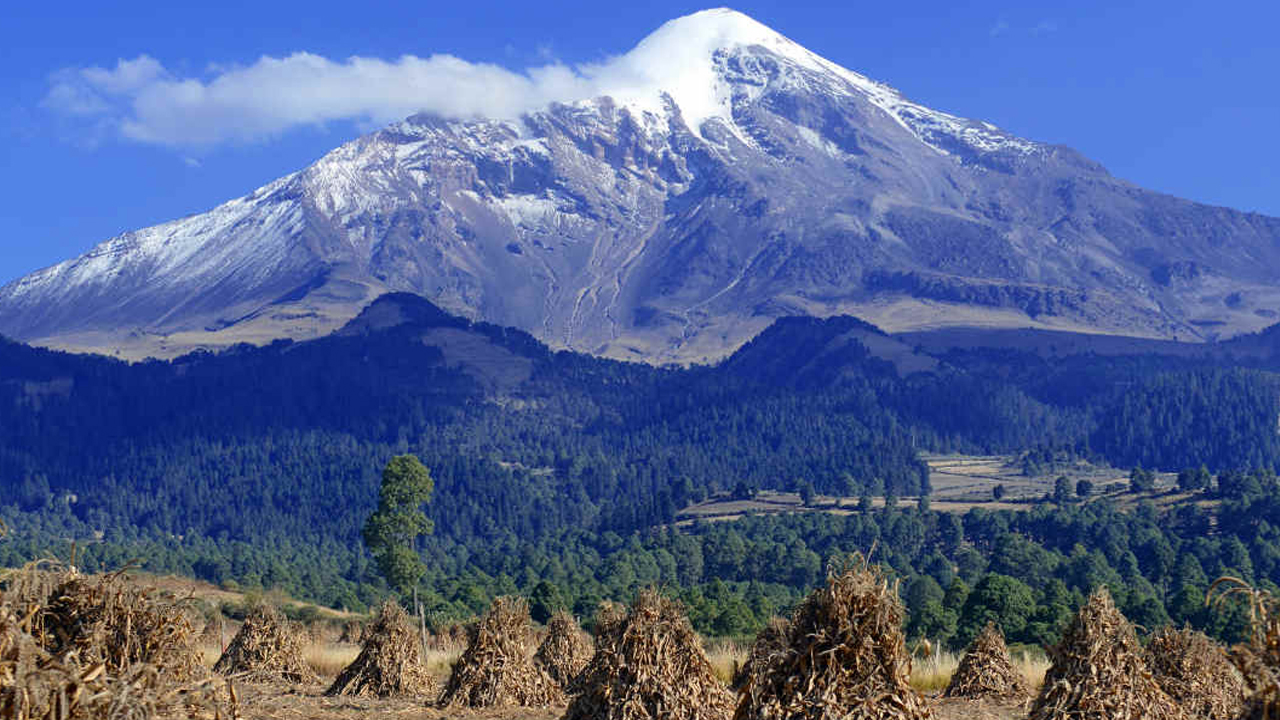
(674, 217)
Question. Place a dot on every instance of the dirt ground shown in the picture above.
(281, 702)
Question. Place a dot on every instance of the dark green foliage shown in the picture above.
(1141, 481)
(557, 476)
(392, 531)
(1063, 489)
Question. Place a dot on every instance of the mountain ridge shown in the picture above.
(674, 222)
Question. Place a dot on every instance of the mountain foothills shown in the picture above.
(560, 475)
(734, 179)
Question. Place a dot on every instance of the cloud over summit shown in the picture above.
(143, 101)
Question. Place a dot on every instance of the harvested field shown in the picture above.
(497, 668)
(770, 645)
(565, 650)
(1259, 659)
(98, 649)
(648, 665)
(987, 671)
(267, 647)
(390, 663)
(845, 657)
(1196, 673)
(1099, 673)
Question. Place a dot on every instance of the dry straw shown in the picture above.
(1259, 659)
(845, 658)
(354, 632)
(390, 663)
(1196, 673)
(565, 650)
(649, 665)
(986, 670)
(497, 669)
(1098, 671)
(98, 649)
(119, 625)
(267, 647)
(769, 646)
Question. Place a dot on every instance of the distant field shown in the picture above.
(960, 483)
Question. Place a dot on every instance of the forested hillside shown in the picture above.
(558, 471)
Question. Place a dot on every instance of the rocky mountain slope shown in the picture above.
(672, 219)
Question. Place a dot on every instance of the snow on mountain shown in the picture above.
(717, 175)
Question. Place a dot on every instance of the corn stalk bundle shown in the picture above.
(28, 588)
(36, 684)
(1259, 659)
(769, 646)
(1196, 673)
(497, 669)
(648, 665)
(1098, 671)
(986, 670)
(111, 622)
(846, 657)
(565, 650)
(608, 622)
(390, 663)
(353, 632)
(267, 647)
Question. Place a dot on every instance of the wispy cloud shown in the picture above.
(1000, 27)
(144, 101)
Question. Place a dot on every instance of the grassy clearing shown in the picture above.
(726, 655)
(930, 675)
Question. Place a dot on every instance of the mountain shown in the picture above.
(735, 178)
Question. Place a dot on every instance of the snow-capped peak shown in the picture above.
(678, 61)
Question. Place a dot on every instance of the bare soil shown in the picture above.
(282, 702)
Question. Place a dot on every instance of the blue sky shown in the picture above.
(110, 118)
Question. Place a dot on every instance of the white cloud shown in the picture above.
(145, 102)
(141, 100)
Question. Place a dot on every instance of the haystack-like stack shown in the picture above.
(112, 622)
(769, 646)
(497, 669)
(846, 657)
(565, 650)
(354, 632)
(986, 670)
(75, 657)
(1196, 672)
(648, 665)
(390, 663)
(267, 647)
(1098, 671)
(609, 619)
(1258, 660)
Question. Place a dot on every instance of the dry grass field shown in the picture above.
(96, 613)
(283, 701)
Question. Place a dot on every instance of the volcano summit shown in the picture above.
(719, 176)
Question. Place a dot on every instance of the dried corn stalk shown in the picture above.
(986, 670)
(1098, 671)
(648, 665)
(390, 663)
(497, 669)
